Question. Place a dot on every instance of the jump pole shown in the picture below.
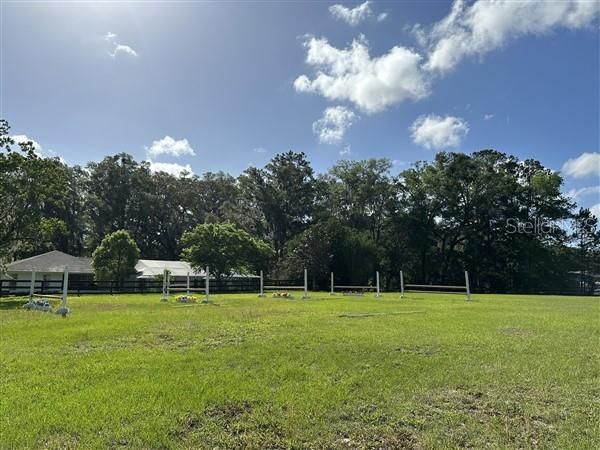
(32, 285)
(261, 293)
(331, 293)
(401, 284)
(207, 282)
(305, 284)
(168, 284)
(63, 310)
(187, 285)
(377, 278)
(467, 286)
(164, 297)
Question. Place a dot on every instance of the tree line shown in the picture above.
(504, 220)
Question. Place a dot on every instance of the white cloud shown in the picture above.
(595, 210)
(259, 150)
(125, 49)
(584, 192)
(436, 132)
(118, 48)
(171, 147)
(22, 138)
(584, 165)
(470, 29)
(352, 16)
(346, 151)
(109, 36)
(177, 170)
(382, 16)
(333, 125)
(372, 84)
(477, 28)
(488, 117)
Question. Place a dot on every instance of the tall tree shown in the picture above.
(225, 248)
(116, 256)
(284, 193)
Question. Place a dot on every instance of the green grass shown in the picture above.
(427, 371)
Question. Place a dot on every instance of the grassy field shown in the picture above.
(427, 371)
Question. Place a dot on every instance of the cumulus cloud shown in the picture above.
(23, 138)
(177, 170)
(584, 192)
(352, 16)
(118, 48)
(473, 29)
(584, 165)
(436, 132)
(382, 16)
(595, 210)
(351, 74)
(401, 74)
(171, 147)
(333, 125)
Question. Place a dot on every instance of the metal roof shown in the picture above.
(151, 268)
(54, 261)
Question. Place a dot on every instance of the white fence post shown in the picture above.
(467, 286)
(332, 292)
(63, 302)
(401, 284)
(164, 297)
(262, 285)
(63, 310)
(305, 283)
(187, 284)
(377, 278)
(207, 284)
(32, 285)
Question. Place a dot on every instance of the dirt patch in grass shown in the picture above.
(60, 440)
(522, 418)
(228, 412)
(232, 425)
(392, 440)
(370, 426)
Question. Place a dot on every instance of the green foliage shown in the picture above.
(433, 220)
(31, 189)
(116, 256)
(225, 248)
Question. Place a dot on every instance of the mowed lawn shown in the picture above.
(427, 371)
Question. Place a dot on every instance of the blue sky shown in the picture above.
(221, 86)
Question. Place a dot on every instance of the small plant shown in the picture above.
(186, 299)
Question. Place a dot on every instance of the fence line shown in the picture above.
(237, 285)
(141, 286)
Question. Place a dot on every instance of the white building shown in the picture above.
(51, 266)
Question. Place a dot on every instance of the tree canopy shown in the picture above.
(225, 249)
(116, 256)
(480, 212)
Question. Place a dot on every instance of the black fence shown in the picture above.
(235, 285)
(141, 286)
